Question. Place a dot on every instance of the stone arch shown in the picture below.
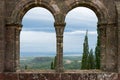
(103, 24)
(13, 26)
(23, 6)
(99, 9)
(59, 9)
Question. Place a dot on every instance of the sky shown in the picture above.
(38, 32)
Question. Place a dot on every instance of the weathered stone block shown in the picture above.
(11, 76)
(107, 76)
(1, 76)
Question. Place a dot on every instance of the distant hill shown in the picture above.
(47, 54)
(42, 59)
(70, 62)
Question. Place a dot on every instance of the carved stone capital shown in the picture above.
(59, 27)
(106, 24)
(16, 26)
(57, 24)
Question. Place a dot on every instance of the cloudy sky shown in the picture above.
(38, 33)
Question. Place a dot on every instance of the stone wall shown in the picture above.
(59, 76)
(11, 14)
(107, 24)
(2, 34)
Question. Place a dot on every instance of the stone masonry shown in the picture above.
(11, 14)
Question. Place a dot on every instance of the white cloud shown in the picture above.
(34, 36)
(81, 14)
(32, 41)
(39, 13)
(73, 41)
(78, 32)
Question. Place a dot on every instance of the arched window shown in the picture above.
(78, 21)
(37, 39)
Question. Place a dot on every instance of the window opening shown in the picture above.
(38, 40)
(79, 20)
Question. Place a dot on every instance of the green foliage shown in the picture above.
(72, 62)
(91, 60)
(84, 64)
(35, 63)
(97, 52)
(26, 67)
(53, 63)
(42, 63)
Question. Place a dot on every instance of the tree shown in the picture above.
(53, 63)
(26, 67)
(91, 60)
(84, 64)
(97, 52)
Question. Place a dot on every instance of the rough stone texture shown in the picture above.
(106, 20)
(59, 76)
(118, 12)
(11, 14)
(2, 32)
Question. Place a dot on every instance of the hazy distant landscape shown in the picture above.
(44, 62)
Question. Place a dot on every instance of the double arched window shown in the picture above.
(38, 41)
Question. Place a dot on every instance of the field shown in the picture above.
(44, 63)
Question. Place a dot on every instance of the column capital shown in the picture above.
(59, 27)
(13, 24)
(16, 26)
(59, 36)
(106, 23)
(57, 24)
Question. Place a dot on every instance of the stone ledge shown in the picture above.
(59, 76)
(65, 71)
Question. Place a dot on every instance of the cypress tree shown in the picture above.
(26, 67)
(53, 63)
(84, 63)
(97, 52)
(91, 60)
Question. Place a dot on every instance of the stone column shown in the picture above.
(118, 24)
(12, 48)
(2, 34)
(108, 39)
(17, 44)
(119, 46)
(111, 47)
(59, 27)
(102, 35)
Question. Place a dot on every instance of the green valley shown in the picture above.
(44, 63)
